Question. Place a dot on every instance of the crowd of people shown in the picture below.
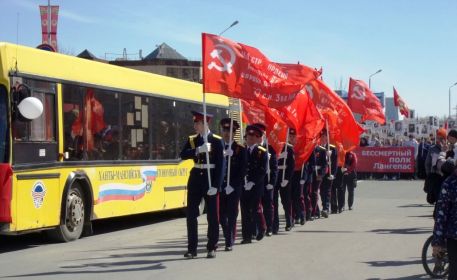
(253, 176)
(441, 188)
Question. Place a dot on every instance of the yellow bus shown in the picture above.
(106, 143)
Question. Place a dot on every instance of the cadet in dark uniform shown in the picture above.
(349, 180)
(336, 188)
(297, 185)
(252, 192)
(198, 188)
(327, 181)
(230, 195)
(270, 182)
(320, 169)
(283, 187)
(307, 182)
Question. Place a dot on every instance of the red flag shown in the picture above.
(276, 128)
(361, 100)
(241, 71)
(398, 101)
(343, 128)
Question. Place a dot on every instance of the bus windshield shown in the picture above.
(3, 125)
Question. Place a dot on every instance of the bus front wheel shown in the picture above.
(73, 225)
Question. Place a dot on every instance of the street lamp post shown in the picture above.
(369, 79)
(231, 25)
(455, 84)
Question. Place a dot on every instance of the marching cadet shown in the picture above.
(297, 186)
(307, 182)
(286, 164)
(329, 176)
(230, 195)
(270, 182)
(320, 169)
(198, 187)
(251, 194)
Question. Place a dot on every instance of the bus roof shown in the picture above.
(45, 64)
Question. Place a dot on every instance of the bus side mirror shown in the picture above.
(30, 108)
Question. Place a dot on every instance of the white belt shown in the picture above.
(281, 167)
(204, 166)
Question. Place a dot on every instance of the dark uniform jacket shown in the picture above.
(273, 162)
(334, 159)
(320, 162)
(257, 166)
(238, 167)
(290, 164)
(216, 157)
(308, 169)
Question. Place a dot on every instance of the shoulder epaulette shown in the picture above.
(262, 148)
(321, 147)
(193, 136)
(217, 136)
(331, 145)
(192, 140)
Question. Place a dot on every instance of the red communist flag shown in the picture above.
(398, 101)
(361, 100)
(344, 131)
(276, 127)
(303, 115)
(241, 71)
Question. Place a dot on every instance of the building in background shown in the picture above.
(166, 61)
(380, 96)
(391, 110)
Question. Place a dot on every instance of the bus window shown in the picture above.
(3, 125)
(35, 139)
(164, 122)
(135, 127)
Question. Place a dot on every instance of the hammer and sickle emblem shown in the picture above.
(359, 92)
(216, 54)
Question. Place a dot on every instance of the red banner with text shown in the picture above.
(385, 159)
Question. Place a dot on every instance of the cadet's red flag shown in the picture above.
(276, 128)
(241, 71)
(343, 129)
(361, 100)
(398, 102)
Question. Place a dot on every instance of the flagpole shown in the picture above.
(241, 121)
(328, 150)
(205, 139)
(284, 163)
(229, 147)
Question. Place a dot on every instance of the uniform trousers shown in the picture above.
(251, 211)
(284, 192)
(268, 208)
(228, 215)
(315, 187)
(298, 203)
(197, 189)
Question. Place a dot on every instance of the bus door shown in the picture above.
(36, 184)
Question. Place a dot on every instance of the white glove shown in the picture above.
(204, 148)
(229, 189)
(269, 156)
(284, 183)
(228, 152)
(329, 153)
(302, 182)
(248, 186)
(343, 169)
(269, 187)
(282, 155)
(211, 191)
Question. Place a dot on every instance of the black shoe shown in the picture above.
(190, 255)
(311, 219)
(269, 233)
(288, 228)
(350, 208)
(334, 212)
(325, 214)
(228, 248)
(245, 241)
(296, 221)
(260, 236)
(275, 232)
(211, 254)
(302, 221)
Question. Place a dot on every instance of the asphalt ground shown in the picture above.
(381, 238)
